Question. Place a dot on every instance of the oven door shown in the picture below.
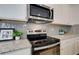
(53, 49)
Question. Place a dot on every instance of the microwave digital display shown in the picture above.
(39, 11)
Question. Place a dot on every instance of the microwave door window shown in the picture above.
(39, 11)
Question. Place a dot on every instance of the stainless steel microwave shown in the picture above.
(40, 12)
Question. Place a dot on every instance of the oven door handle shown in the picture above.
(44, 47)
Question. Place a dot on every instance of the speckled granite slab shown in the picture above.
(7, 46)
(67, 36)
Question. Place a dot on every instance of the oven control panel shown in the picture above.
(36, 31)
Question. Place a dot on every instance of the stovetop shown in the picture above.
(44, 42)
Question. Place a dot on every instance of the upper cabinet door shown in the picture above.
(13, 11)
(62, 14)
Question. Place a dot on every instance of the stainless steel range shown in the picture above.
(40, 40)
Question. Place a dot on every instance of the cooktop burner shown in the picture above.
(44, 42)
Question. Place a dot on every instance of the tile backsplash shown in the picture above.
(20, 26)
(51, 29)
(54, 29)
(75, 29)
(23, 27)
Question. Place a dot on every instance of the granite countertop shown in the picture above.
(8, 46)
(65, 36)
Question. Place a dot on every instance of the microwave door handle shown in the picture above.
(50, 14)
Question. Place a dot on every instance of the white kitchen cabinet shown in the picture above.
(75, 13)
(62, 14)
(26, 51)
(13, 12)
(77, 45)
(67, 47)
